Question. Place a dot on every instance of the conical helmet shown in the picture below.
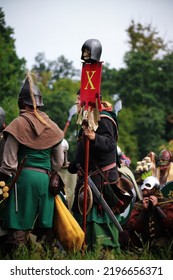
(95, 49)
(28, 91)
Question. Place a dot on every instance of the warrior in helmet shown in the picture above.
(165, 167)
(35, 135)
(102, 162)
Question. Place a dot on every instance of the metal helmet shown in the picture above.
(25, 94)
(2, 118)
(150, 182)
(95, 49)
(165, 157)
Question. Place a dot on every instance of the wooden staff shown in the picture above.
(90, 107)
(87, 145)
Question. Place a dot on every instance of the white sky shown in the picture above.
(60, 27)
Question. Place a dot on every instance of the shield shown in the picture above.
(126, 214)
(81, 199)
(167, 189)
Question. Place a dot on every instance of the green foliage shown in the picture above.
(59, 68)
(145, 87)
(59, 99)
(150, 128)
(57, 102)
(11, 67)
(108, 85)
(144, 39)
(9, 104)
(127, 140)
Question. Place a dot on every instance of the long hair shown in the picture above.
(152, 156)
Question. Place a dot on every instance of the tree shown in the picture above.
(145, 39)
(145, 86)
(108, 85)
(12, 68)
(59, 68)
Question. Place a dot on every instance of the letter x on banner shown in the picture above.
(90, 85)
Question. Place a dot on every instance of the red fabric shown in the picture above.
(90, 85)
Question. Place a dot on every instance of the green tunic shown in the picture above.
(33, 193)
(100, 229)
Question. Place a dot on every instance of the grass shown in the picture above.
(36, 252)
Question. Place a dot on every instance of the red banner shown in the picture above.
(90, 85)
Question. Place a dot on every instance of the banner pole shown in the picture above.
(87, 144)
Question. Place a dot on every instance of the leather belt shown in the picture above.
(105, 168)
(37, 169)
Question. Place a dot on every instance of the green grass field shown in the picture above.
(36, 252)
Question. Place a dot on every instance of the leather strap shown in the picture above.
(105, 168)
(37, 169)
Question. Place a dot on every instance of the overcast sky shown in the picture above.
(60, 27)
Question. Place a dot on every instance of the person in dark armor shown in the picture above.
(102, 165)
(34, 136)
(100, 228)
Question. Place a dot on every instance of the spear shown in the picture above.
(72, 112)
(87, 144)
(89, 100)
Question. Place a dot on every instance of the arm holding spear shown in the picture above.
(95, 144)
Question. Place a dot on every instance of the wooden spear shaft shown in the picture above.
(87, 144)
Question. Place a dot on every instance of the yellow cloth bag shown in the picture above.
(68, 231)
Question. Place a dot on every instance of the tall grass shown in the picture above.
(38, 252)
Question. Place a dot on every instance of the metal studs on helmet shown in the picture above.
(25, 94)
(94, 48)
